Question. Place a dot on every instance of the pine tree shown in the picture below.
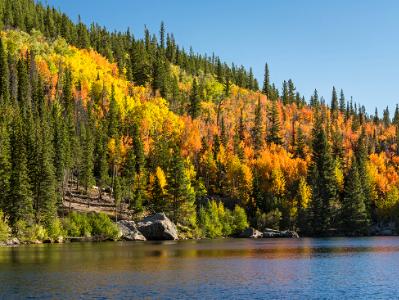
(314, 100)
(395, 119)
(354, 218)
(266, 82)
(300, 144)
(139, 160)
(342, 102)
(322, 181)
(4, 75)
(291, 91)
(113, 115)
(285, 95)
(386, 118)
(194, 109)
(21, 203)
(45, 198)
(162, 35)
(361, 155)
(273, 134)
(182, 194)
(23, 88)
(257, 130)
(5, 166)
(88, 154)
(334, 100)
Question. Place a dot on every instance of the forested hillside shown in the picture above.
(150, 127)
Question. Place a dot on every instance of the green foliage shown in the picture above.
(268, 220)
(322, 181)
(55, 229)
(5, 230)
(26, 232)
(87, 225)
(354, 215)
(217, 221)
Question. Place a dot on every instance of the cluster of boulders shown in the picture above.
(267, 233)
(160, 227)
(154, 227)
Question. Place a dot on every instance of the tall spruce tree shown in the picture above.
(194, 109)
(334, 100)
(354, 219)
(20, 205)
(257, 130)
(322, 180)
(273, 133)
(4, 75)
(266, 82)
(182, 194)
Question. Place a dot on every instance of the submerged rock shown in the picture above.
(158, 227)
(129, 232)
(250, 233)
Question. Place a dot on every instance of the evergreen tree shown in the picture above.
(354, 218)
(300, 144)
(113, 115)
(162, 35)
(4, 75)
(386, 118)
(5, 166)
(45, 197)
(195, 104)
(88, 154)
(182, 194)
(314, 100)
(273, 134)
(285, 95)
(322, 181)
(20, 196)
(257, 130)
(266, 82)
(395, 119)
(342, 102)
(334, 100)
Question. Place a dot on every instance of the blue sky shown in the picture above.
(353, 45)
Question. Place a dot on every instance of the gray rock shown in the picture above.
(129, 232)
(13, 242)
(271, 233)
(250, 233)
(158, 227)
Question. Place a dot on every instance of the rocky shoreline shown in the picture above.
(158, 227)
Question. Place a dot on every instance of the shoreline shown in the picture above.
(12, 242)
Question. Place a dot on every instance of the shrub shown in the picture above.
(55, 229)
(102, 225)
(30, 232)
(4, 228)
(215, 220)
(239, 220)
(86, 225)
(77, 225)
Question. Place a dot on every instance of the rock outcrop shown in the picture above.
(158, 227)
(129, 232)
(271, 233)
(250, 233)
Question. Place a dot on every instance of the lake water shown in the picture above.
(230, 269)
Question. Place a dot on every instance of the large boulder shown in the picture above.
(129, 232)
(271, 233)
(250, 233)
(158, 227)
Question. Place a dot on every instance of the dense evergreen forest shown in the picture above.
(146, 127)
